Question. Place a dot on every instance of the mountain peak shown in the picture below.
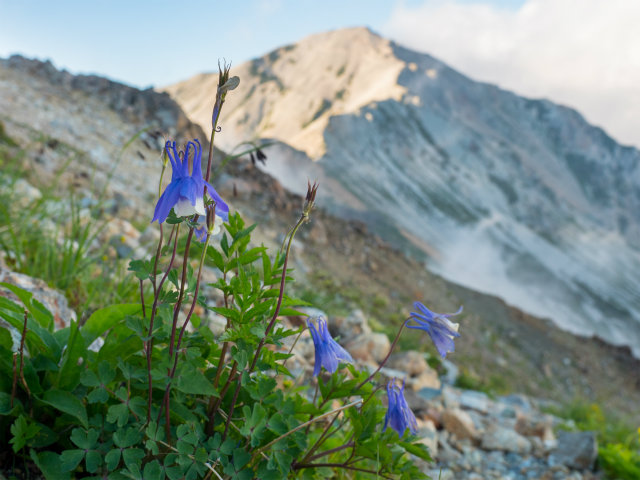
(299, 87)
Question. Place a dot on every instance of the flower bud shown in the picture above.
(211, 217)
(310, 198)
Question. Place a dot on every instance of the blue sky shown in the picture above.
(160, 42)
(581, 53)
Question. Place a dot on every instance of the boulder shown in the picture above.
(369, 346)
(497, 437)
(53, 300)
(459, 423)
(575, 449)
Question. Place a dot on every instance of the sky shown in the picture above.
(581, 53)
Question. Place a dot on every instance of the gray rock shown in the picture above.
(53, 300)
(471, 399)
(497, 437)
(575, 449)
(354, 325)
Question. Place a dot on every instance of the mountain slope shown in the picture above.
(74, 126)
(506, 195)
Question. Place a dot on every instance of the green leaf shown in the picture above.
(132, 456)
(42, 315)
(5, 403)
(50, 465)
(141, 268)
(23, 432)
(153, 470)
(69, 376)
(216, 257)
(102, 320)
(418, 449)
(277, 424)
(118, 414)
(67, 403)
(112, 459)
(70, 459)
(84, 439)
(93, 460)
(193, 382)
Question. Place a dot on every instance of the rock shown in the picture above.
(354, 325)
(411, 362)
(518, 401)
(452, 372)
(427, 379)
(450, 396)
(421, 375)
(122, 236)
(446, 453)
(53, 300)
(459, 423)
(540, 426)
(497, 437)
(470, 399)
(369, 346)
(428, 436)
(575, 449)
(24, 192)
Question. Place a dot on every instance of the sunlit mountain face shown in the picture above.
(507, 195)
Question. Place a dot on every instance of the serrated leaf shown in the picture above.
(417, 449)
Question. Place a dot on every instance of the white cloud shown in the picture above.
(581, 53)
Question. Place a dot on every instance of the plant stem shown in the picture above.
(299, 466)
(304, 425)
(156, 297)
(395, 340)
(182, 330)
(256, 356)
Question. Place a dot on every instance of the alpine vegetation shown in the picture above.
(146, 390)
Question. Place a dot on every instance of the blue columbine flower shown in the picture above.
(328, 352)
(399, 416)
(441, 330)
(185, 193)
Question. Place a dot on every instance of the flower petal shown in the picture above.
(166, 202)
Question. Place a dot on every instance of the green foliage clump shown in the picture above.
(618, 443)
(51, 238)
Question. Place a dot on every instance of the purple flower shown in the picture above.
(441, 330)
(328, 352)
(399, 416)
(185, 193)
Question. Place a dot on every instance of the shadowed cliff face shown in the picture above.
(515, 197)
